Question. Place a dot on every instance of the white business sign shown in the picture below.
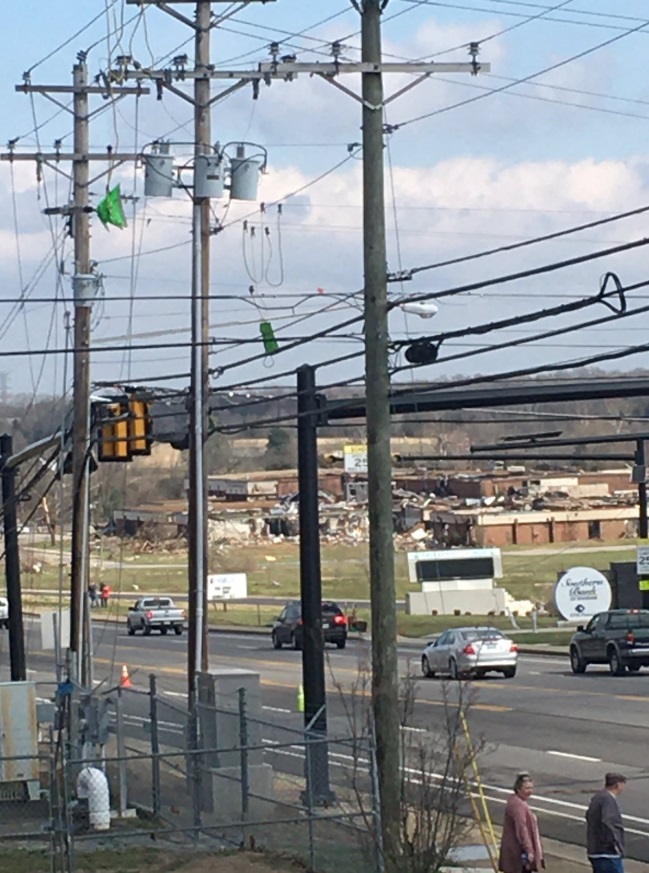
(642, 561)
(227, 586)
(581, 593)
(355, 458)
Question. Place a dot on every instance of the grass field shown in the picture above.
(273, 570)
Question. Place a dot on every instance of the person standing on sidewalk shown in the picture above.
(605, 831)
(521, 850)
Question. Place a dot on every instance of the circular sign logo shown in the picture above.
(581, 593)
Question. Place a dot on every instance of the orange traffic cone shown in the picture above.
(125, 681)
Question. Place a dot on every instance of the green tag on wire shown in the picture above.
(268, 336)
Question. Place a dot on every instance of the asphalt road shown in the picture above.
(566, 730)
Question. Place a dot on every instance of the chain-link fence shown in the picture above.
(126, 765)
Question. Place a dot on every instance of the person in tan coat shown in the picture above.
(521, 850)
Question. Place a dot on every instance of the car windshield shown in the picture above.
(157, 604)
(483, 633)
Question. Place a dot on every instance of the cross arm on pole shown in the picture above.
(79, 89)
(55, 157)
(271, 68)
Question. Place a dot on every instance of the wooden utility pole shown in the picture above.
(85, 286)
(197, 650)
(385, 678)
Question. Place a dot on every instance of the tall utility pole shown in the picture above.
(80, 224)
(197, 650)
(85, 286)
(385, 676)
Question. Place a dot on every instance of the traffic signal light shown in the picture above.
(113, 437)
(139, 427)
(124, 429)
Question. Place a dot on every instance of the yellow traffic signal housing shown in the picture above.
(139, 427)
(113, 442)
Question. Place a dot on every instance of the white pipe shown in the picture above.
(92, 785)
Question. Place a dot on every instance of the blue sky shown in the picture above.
(563, 149)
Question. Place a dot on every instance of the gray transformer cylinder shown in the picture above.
(208, 176)
(158, 175)
(244, 178)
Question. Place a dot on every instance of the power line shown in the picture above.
(523, 79)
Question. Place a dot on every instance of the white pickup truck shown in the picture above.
(4, 612)
(155, 613)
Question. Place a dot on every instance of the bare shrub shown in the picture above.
(436, 770)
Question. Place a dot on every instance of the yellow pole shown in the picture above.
(476, 773)
(300, 698)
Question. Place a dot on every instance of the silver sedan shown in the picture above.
(470, 651)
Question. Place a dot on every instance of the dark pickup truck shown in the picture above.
(618, 637)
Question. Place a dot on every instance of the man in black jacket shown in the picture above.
(605, 831)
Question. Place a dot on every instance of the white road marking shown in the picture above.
(575, 757)
(414, 730)
(249, 648)
(277, 709)
(175, 694)
(533, 672)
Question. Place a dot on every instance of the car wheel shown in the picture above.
(277, 644)
(296, 643)
(147, 631)
(425, 668)
(341, 644)
(509, 673)
(163, 631)
(453, 670)
(634, 668)
(577, 663)
(131, 631)
(615, 664)
(178, 630)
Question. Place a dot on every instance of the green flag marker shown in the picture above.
(268, 336)
(110, 210)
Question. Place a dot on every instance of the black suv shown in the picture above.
(288, 625)
(619, 638)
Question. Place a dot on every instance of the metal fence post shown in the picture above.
(155, 745)
(308, 796)
(195, 766)
(121, 754)
(56, 819)
(243, 746)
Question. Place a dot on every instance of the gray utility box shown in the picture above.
(236, 784)
(19, 771)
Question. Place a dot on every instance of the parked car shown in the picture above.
(4, 612)
(470, 651)
(618, 637)
(287, 630)
(155, 613)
